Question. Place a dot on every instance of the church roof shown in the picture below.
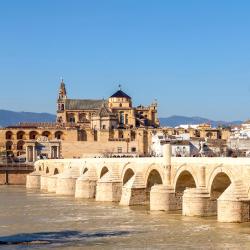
(104, 111)
(121, 94)
(80, 104)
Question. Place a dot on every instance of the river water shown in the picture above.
(37, 220)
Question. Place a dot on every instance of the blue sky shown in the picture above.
(193, 56)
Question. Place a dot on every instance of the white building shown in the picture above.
(180, 145)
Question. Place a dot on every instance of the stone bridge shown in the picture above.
(197, 186)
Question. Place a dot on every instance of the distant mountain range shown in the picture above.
(175, 120)
(8, 118)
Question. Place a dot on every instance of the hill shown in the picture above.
(174, 121)
(8, 118)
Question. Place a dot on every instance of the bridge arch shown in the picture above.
(158, 174)
(189, 172)
(85, 170)
(56, 171)
(129, 173)
(124, 171)
(103, 172)
(153, 177)
(184, 178)
(91, 171)
(219, 180)
(219, 174)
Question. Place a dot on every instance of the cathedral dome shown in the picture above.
(120, 94)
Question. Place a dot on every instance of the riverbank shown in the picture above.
(14, 174)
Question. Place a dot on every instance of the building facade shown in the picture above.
(110, 127)
(85, 127)
(117, 112)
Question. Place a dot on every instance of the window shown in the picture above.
(82, 117)
(133, 135)
(58, 135)
(82, 135)
(20, 145)
(72, 119)
(119, 149)
(103, 126)
(120, 105)
(120, 134)
(20, 135)
(126, 119)
(33, 135)
(46, 134)
(9, 145)
(133, 149)
(121, 117)
(95, 135)
(8, 135)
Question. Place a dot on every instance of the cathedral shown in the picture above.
(117, 112)
(109, 127)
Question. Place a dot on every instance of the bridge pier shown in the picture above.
(52, 183)
(85, 188)
(233, 210)
(86, 184)
(134, 191)
(33, 180)
(162, 198)
(66, 182)
(233, 205)
(132, 196)
(66, 185)
(44, 182)
(108, 191)
(109, 186)
(197, 202)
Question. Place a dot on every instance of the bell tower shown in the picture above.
(62, 96)
(62, 91)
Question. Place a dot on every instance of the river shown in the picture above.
(38, 220)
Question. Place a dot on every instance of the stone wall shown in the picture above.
(17, 177)
(89, 149)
